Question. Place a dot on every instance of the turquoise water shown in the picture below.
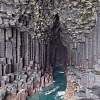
(55, 91)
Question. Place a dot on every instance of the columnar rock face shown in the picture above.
(28, 27)
(38, 34)
(30, 32)
(20, 43)
(25, 43)
(98, 33)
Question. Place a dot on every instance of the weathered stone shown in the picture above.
(0, 70)
(9, 49)
(20, 64)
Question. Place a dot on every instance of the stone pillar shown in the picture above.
(9, 45)
(44, 54)
(82, 53)
(2, 43)
(37, 51)
(90, 55)
(92, 51)
(31, 51)
(95, 45)
(0, 70)
(34, 50)
(14, 47)
(40, 53)
(18, 45)
(86, 53)
(9, 50)
(75, 56)
(20, 65)
(48, 53)
(98, 32)
(26, 49)
(9, 65)
(29, 47)
(78, 54)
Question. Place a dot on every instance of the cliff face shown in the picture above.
(24, 49)
(18, 46)
(38, 34)
(30, 28)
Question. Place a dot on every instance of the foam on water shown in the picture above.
(61, 72)
(61, 93)
(51, 91)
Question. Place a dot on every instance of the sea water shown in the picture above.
(54, 92)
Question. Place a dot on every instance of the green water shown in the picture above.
(55, 91)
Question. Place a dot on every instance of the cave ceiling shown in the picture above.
(76, 17)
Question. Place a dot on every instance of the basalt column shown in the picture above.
(26, 49)
(39, 55)
(98, 33)
(48, 53)
(2, 43)
(37, 51)
(43, 56)
(14, 47)
(9, 49)
(34, 50)
(79, 54)
(2, 52)
(22, 46)
(19, 51)
(95, 45)
(90, 53)
(31, 49)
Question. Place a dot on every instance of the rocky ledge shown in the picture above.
(20, 85)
